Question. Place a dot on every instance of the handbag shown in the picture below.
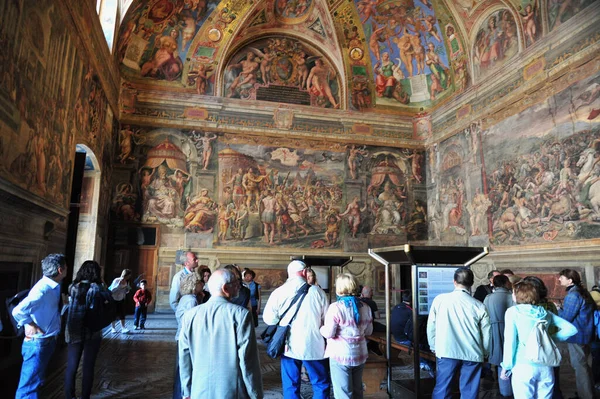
(275, 336)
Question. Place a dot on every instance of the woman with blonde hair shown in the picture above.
(347, 322)
(120, 288)
(529, 380)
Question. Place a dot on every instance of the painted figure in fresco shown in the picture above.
(161, 197)
(225, 214)
(352, 214)
(238, 187)
(388, 216)
(242, 220)
(207, 149)
(417, 159)
(165, 64)
(247, 76)
(477, 211)
(180, 180)
(429, 22)
(200, 214)
(126, 37)
(267, 56)
(268, 216)
(439, 75)
(201, 77)
(377, 36)
(367, 9)
(146, 178)
(354, 158)
(489, 47)
(301, 68)
(318, 82)
(128, 137)
(529, 22)
(333, 227)
(385, 76)
(124, 203)
(250, 183)
(416, 228)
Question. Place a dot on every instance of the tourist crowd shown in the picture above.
(217, 313)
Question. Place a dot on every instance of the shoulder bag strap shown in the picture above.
(303, 292)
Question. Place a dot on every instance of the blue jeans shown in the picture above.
(89, 349)
(139, 318)
(317, 370)
(36, 356)
(470, 374)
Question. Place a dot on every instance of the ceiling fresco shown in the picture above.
(402, 56)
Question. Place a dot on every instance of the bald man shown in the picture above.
(218, 354)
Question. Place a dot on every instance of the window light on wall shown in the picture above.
(107, 11)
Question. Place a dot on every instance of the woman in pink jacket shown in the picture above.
(346, 323)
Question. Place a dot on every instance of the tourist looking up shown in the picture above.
(346, 323)
(229, 367)
(80, 339)
(305, 344)
(529, 380)
(39, 314)
(458, 331)
(496, 304)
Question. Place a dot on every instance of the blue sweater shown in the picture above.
(581, 313)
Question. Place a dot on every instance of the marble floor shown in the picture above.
(141, 364)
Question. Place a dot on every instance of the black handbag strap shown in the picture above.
(301, 294)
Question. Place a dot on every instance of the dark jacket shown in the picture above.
(80, 296)
(401, 314)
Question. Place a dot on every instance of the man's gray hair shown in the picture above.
(220, 277)
(51, 263)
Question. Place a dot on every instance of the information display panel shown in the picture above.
(433, 281)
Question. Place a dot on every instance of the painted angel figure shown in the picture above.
(355, 156)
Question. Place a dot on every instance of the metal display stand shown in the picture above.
(412, 255)
(329, 261)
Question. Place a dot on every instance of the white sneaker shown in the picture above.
(124, 331)
(113, 330)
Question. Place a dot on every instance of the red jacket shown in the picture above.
(142, 297)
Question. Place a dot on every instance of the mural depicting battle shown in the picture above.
(256, 195)
(543, 188)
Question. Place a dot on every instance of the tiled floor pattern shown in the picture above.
(141, 364)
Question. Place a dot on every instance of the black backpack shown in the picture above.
(12, 303)
(101, 309)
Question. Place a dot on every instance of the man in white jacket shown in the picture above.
(305, 345)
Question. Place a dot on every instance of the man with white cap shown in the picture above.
(305, 345)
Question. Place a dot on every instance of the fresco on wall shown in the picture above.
(155, 37)
(407, 51)
(50, 97)
(531, 20)
(496, 42)
(284, 70)
(560, 11)
(280, 196)
(544, 187)
(258, 195)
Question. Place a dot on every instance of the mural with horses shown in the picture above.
(543, 187)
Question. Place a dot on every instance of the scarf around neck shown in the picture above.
(353, 302)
